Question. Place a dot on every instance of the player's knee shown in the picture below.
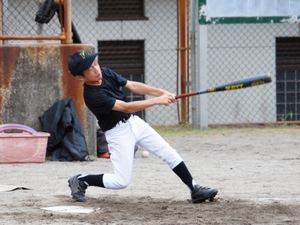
(123, 183)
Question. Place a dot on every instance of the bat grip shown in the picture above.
(186, 95)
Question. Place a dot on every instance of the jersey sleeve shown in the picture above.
(120, 81)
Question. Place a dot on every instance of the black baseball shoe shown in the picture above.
(200, 194)
(77, 188)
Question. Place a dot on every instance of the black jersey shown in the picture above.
(101, 99)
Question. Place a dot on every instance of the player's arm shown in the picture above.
(129, 107)
(144, 89)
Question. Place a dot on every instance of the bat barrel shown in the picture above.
(238, 84)
(244, 83)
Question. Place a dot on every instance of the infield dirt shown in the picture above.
(257, 172)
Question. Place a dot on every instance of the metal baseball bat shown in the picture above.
(238, 84)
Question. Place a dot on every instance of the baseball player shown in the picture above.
(123, 129)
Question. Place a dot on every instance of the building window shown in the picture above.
(288, 79)
(127, 59)
(121, 10)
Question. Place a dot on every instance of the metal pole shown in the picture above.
(202, 81)
(1, 20)
(193, 60)
(36, 37)
(4, 16)
(182, 56)
(67, 22)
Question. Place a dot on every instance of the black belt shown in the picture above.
(125, 118)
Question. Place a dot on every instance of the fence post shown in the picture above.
(1, 20)
(202, 81)
(182, 48)
(67, 22)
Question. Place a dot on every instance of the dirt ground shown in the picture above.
(257, 173)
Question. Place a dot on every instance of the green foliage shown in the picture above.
(287, 116)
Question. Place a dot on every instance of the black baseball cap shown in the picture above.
(80, 61)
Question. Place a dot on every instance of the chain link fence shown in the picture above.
(152, 38)
(145, 48)
(18, 19)
(243, 50)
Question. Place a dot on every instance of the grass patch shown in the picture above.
(187, 129)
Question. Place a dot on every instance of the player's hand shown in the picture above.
(171, 96)
(165, 99)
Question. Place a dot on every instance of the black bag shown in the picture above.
(102, 145)
(46, 11)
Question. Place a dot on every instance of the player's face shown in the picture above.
(93, 75)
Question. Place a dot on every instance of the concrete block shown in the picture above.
(33, 78)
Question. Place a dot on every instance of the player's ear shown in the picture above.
(79, 78)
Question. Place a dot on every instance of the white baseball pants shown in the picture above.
(121, 142)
